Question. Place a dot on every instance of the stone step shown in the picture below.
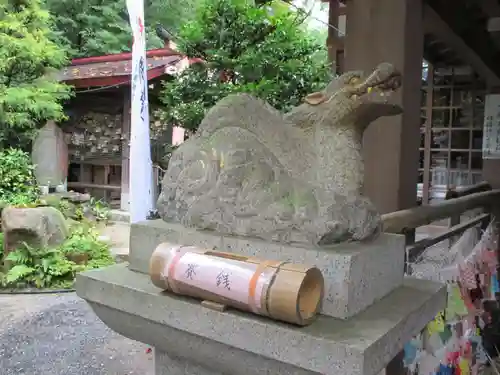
(119, 216)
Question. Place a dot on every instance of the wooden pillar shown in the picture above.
(491, 166)
(332, 42)
(124, 198)
(428, 136)
(396, 366)
(391, 31)
(490, 172)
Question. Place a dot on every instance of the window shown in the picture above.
(451, 132)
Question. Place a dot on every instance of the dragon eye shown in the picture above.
(354, 80)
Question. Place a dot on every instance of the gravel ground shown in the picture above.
(60, 335)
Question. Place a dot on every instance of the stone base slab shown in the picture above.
(356, 274)
(193, 339)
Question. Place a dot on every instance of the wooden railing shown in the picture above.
(479, 197)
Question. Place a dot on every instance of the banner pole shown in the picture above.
(141, 168)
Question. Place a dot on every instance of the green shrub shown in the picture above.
(99, 209)
(84, 240)
(17, 181)
(56, 267)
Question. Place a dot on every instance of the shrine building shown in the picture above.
(449, 55)
(447, 137)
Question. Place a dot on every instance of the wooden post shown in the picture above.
(332, 42)
(492, 166)
(392, 31)
(428, 136)
(99, 177)
(455, 219)
(396, 366)
(85, 175)
(124, 198)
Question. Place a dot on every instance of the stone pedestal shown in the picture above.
(191, 339)
(369, 311)
(356, 275)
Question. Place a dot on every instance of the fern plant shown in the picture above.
(55, 267)
(40, 268)
(85, 239)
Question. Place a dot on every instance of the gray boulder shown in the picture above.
(37, 227)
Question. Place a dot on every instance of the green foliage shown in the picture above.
(96, 27)
(90, 28)
(39, 268)
(29, 92)
(56, 267)
(320, 36)
(247, 49)
(17, 182)
(99, 209)
(94, 210)
(84, 240)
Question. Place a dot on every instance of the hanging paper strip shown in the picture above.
(455, 307)
(472, 279)
(437, 325)
(494, 285)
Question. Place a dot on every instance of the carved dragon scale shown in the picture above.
(292, 178)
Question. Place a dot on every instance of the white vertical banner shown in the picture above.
(141, 168)
(491, 127)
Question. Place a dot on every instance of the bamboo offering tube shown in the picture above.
(280, 290)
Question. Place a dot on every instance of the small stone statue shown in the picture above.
(295, 178)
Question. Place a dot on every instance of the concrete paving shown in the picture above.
(118, 235)
(60, 335)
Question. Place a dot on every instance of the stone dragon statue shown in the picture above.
(292, 178)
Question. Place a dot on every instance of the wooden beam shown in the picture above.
(112, 69)
(89, 185)
(433, 24)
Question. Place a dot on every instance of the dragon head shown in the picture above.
(354, 98)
